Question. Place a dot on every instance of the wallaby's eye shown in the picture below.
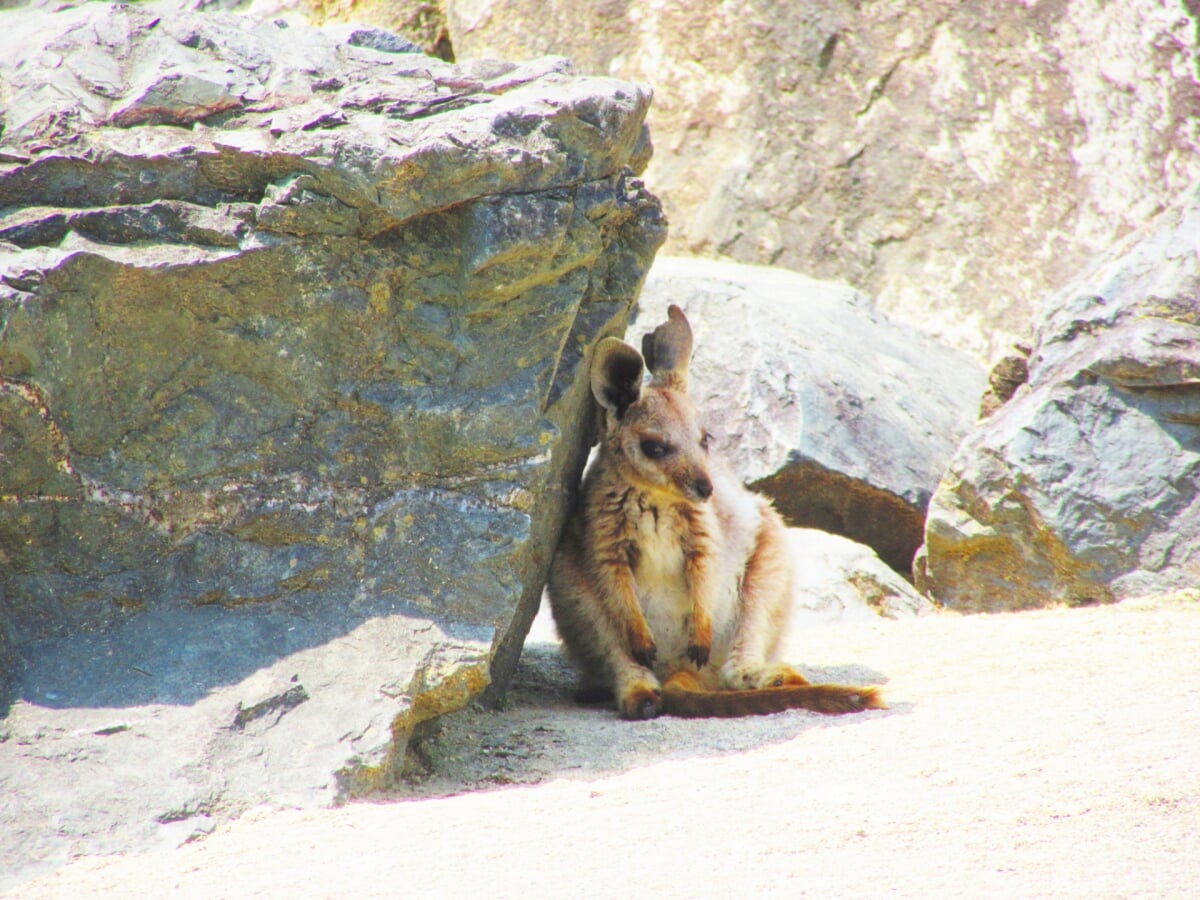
(653, 449)
(704, 439)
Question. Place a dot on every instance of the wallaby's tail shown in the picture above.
(682, 700)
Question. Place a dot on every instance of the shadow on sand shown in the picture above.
(541, 732)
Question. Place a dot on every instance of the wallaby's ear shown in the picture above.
(616, 375)
(668, 350)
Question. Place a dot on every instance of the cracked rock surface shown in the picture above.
(291, 327)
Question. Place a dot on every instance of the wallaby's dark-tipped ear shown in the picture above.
(616, 375)
(668, 350)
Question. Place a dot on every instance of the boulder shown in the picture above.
(845, 418)
(1082, 487)
(840, 580)
(955, 160)
(292, 324)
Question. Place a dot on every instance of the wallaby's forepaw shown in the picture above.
(642, 700)
(643, 650)
(698, 653)
(645, 656)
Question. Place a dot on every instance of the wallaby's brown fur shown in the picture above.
(672, 584)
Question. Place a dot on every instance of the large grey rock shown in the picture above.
(845, 418)
(1082, 488)
(291, 333)
(955, 160)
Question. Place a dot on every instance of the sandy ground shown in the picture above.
(1046, 754)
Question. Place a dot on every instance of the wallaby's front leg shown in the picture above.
(618, 590)
(639, 694)
(595, 629)
(701, 580)
(630, 649)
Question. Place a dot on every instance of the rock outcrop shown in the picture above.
(846, 419)
(955, 160)
(1082, 487)
(291, 333)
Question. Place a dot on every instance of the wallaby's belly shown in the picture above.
(667, 604)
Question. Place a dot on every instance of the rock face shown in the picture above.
(1082, 488)
(955, 160)
(291, 333)
(844, 418)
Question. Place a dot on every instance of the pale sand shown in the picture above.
(1041, 754)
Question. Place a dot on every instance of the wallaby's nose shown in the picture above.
(703, 487)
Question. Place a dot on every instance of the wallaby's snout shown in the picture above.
(691, 481)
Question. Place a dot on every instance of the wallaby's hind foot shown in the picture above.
(748, 678)
(641, 700)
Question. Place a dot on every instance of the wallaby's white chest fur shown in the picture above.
(661, 575)
(658, 535)
(661, 532)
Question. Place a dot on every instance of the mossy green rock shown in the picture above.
(291, 336)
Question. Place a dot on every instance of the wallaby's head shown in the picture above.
(652, 432)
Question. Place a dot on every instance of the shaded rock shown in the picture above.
(838, 579)
(1082, 488)
(379, 39)
(844, 418)
(1007, 375)
(422, 23)
(291, 338)
(886, 146)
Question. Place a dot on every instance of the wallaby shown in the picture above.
(672, 584)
